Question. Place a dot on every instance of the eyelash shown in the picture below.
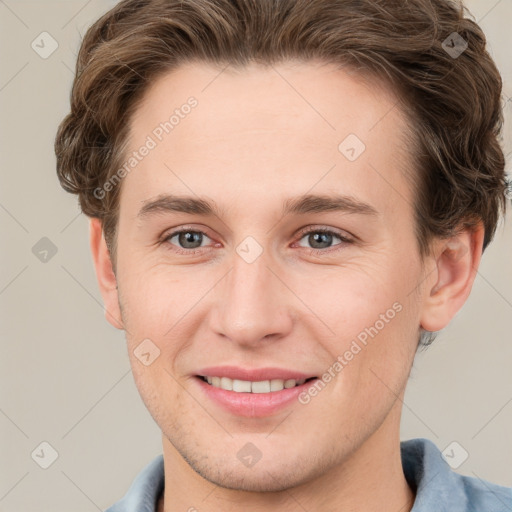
(190, 252)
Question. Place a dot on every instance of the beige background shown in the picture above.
(64, 371)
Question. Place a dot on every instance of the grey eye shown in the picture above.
(187, 239)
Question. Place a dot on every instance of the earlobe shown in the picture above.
(105, 274)
(456, 264)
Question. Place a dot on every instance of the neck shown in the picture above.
(371, 479)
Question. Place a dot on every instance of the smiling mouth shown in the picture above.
(256, 387)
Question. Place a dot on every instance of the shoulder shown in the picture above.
(483, 495)
(438, 487)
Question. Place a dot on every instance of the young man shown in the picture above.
(286, 198)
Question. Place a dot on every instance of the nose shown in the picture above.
(252, 304)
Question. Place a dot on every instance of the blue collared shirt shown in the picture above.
(438, 488)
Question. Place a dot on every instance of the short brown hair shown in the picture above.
(453, 101)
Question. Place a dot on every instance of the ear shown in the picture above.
(105, 273)
(456, 264)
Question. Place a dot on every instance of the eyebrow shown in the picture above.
(327, 203)
(308, 203)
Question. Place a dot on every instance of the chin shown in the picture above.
(262, 479)
(270, 474)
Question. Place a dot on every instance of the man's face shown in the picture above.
(264, 289)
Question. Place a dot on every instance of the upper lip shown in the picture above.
(253, 374)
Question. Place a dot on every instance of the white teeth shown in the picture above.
(262, 386)
(245, 386)
(276, 385)
(241, 386)
(226, 383)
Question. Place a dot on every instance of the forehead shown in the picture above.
(265, 129)
(321, 98)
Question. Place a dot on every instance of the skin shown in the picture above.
(257, 137)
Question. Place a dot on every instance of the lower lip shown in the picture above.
(253, 405)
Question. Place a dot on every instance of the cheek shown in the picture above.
(162, 310)
(154, 298)
(368, 321)
(370, 359)
(350, 299)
